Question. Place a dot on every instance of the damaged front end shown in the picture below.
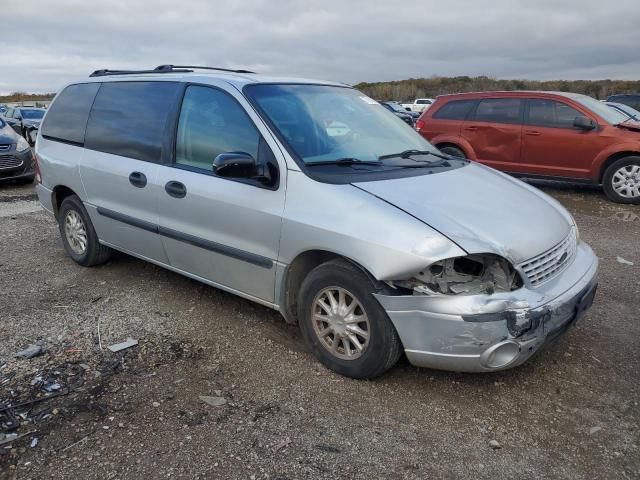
(475, 313)
(469, 275)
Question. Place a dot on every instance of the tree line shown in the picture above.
(407, 90)
(24, 97)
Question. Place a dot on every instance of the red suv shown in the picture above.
(556, 135)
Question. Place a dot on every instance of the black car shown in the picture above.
(399, 112)
(16, 157)
(25, 121)
(631, 99)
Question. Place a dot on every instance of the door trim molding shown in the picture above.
(226, 250)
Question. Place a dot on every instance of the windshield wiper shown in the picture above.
(346, 161)
(410, 153)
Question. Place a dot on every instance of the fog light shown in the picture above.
(500, 355)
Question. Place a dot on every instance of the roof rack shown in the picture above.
(164, 69)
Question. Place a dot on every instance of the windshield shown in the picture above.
(34, 114)
(395, 107)
(324, 123)
(632, 112)
(610, 115)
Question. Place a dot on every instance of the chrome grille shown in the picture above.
(9, 161)
(550, 263)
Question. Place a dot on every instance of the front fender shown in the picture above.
(631, 148)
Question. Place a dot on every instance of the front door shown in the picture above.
(495, 132)
(223, 230)
(552, 145)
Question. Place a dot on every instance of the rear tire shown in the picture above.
(621, 181)
(348, 325)
(78, 235)
(453, 151)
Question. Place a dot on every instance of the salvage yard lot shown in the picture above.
(570, 413)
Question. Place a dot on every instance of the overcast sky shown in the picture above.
(49, 42)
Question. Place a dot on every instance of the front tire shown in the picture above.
(343, 324)
(78, 235)
(621, 180)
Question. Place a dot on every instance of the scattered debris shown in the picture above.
(34, 442)
(128, 343)
(624, 261)
(495, 444)
(31, 351)
(284, 443)
(593, 430)
(264, 410)
(213, 401)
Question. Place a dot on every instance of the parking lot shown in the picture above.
(570, 413)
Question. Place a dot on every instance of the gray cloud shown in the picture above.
(54, 42)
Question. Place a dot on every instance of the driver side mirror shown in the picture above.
(584, 123)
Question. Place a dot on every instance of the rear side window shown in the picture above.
(549, 113)
(455, 110)
(499, 110)
(67, 117)
(130, 118)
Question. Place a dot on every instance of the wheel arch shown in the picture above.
(613, 158)
(59, 193)
(296, 272)
(445, 140)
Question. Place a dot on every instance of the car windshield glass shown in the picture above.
(395, 107)
(322, 123)
(32, 114)
(632, 112)
(610, 115)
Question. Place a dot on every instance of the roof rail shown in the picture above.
(163, 69)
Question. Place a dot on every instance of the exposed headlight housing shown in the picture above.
(575, 229)
(469, 275)
(22, 145)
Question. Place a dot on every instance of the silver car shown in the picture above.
(311, 198)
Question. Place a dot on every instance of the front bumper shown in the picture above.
(460, 333)
(21, 166)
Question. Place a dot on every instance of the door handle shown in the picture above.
(471, 129)
(532, 133)
(138, 179)
(175, 189)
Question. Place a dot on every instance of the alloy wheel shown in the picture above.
(340, 323)
(75, 232)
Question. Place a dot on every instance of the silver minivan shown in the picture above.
(311, 198)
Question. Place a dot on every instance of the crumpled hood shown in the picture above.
(480, 209)
(32, 122)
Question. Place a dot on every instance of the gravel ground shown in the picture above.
(571, 413)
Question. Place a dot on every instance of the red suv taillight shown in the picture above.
(419, 123)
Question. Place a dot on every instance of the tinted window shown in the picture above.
(67, 116)
(423, 102)
(211, 123)
(499, 110)
(456, 110)
(549, 113)
(129, 119)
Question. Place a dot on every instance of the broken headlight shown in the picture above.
(469, 275)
